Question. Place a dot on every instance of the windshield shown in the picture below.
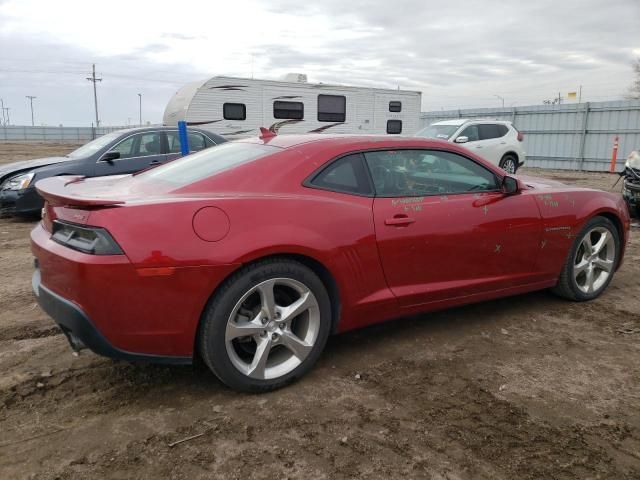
(94, 145)
(206, 163)
(442, 132)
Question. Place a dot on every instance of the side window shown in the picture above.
(471, 132)
(293, 110)
(125, 148)
(502, 130)
(406, 173)
(489, 131)
(173, 140)
(196, 142)
(394, 126)
(149, 144)
(395, 106)
(332, 108)
(234, 111)
(140, 145)
(346, 174)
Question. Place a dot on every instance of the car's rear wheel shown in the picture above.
(266, 326)
(509, 164)
(591, 263)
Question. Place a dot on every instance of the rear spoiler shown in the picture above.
(55, 191)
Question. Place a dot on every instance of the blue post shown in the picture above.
(184, 138)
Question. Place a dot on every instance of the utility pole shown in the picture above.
(31, 97)
(93, 79)
(8, 121)
(4, 122)
(501, 98)
(140, 107)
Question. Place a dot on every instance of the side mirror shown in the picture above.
(510, 185)
(110, 156)
(461, 140)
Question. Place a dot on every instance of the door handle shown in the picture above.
(155, 162)
(399, 220)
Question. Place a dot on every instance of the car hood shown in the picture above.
(541, 183)
(9, 168)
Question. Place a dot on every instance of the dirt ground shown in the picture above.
(529, 387)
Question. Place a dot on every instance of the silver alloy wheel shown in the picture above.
(509, 166)
(272, 328)
(594, 259)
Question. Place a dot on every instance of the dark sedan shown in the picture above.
(116, 153)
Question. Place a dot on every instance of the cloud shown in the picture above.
(458, 54)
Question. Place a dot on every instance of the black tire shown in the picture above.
(567, 286)
(212, 343)
(507, 160)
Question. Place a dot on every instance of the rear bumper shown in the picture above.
(118, 309)
(82, 333)
(20, 202)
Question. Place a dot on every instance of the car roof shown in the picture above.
(463, 121)
(345, 140)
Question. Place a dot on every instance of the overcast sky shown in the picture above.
(458, 53)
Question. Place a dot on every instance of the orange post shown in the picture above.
(614, 155)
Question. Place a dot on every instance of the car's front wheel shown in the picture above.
(509, 164)
(266, 326)
(591, 263)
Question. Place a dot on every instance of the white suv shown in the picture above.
(494, 140)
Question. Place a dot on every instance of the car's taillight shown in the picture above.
(520, 136)
(92, 240)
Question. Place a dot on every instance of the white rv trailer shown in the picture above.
(238, 107)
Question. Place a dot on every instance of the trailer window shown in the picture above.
(394, 126)
(234, 111)
(395, 106)
(332, 108)
(293, 110)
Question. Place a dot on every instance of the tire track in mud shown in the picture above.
(472, 419)
(28, 333)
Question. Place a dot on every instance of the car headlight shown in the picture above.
(19, 182)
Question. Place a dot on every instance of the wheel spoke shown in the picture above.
(298, 347)
(267, 298)
(580, 267)
(243, 329)
(602, 241)
(586, 243)
(590, 277)
(296, 308)
(603, 264)
(259, 362)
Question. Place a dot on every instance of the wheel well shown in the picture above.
(318, 268)
(513, 154)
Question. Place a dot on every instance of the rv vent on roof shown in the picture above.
(295, 77)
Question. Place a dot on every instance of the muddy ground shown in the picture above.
(529, 387)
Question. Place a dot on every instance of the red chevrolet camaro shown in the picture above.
(250, 254)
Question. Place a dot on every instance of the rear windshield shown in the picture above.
(442, 132)
(206, 163)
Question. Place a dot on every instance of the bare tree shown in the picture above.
(634, 89)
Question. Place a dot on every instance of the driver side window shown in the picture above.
(140, 145)
(405, 173)
(471, 132)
